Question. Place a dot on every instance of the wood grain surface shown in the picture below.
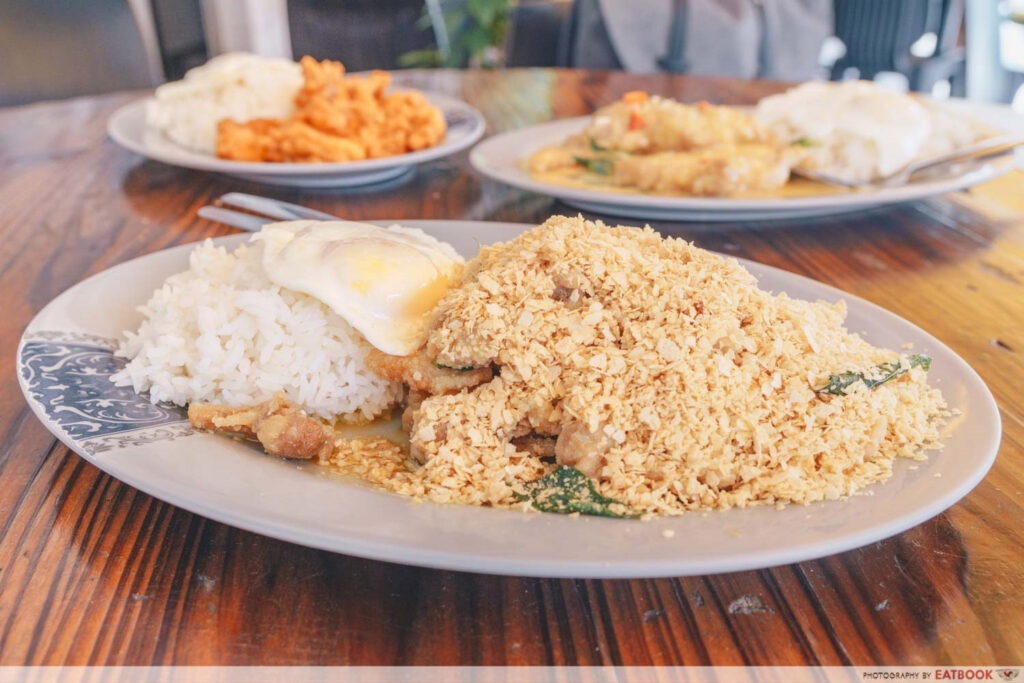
(94, 572)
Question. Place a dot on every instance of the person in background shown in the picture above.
(775, 39)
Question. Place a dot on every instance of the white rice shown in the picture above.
(857, 130)
(222, 332)
(235, 86)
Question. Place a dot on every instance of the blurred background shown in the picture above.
(972, 48)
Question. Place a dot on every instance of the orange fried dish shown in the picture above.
(337, 118)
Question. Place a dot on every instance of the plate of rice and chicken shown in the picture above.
(304, 123)
(655, 157)
(569, 399)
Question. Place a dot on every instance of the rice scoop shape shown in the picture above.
(385, 282)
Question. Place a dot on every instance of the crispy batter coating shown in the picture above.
(655, 124)
(583, 449)
(424, 378)
(422, 374)
(653, 144)
(666, 374)
(287, 140)
(537, 446)
(715, 172)
(282, 429)
(337, 118)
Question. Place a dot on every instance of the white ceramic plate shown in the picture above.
(64, 360)
(501, 158)
(127, 127)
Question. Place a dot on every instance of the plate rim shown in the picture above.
(618, 567)
(134, 111)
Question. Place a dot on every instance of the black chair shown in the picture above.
(583, 41)
(53, 50)
(878, 35)
(374, 34)
(362, 34)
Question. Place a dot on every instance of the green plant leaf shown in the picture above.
(473, 26)
(424, 22)
(483, 11)
(421, 58)
(838, 384)
(476, 39)
(599, 166)
(567, 490)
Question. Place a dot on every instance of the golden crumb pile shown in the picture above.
(697, 386)
(337, 117)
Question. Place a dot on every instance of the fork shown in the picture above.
(986, 149)
(271, 210)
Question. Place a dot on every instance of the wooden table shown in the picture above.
(94, 572)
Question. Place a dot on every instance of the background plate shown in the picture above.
(64, 358)
(127, 127)
(501, 158)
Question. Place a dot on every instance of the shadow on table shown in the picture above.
(170, 196)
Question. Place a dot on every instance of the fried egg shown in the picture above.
(384, 282)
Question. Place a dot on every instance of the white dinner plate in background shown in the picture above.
(501, 158)
(127, 127)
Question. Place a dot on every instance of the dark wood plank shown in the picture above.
(93, 572)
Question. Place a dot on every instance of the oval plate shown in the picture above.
(127, 127)
(64, 360)
(501, 158)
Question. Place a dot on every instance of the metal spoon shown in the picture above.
(986, 149)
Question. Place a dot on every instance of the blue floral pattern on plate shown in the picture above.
(68, 375)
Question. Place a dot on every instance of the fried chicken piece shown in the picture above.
(421, 373)
(421, 455)
(540, 446)
(409, 117)
(295, 436)
(242, 141)
(655, 124)
(583, 449)
(225, 419)
(280, 141)
(319, 79)
(555, 157)
(412, 404)
(282, 428)
(337, 118)
(340, 105)
(716, 172)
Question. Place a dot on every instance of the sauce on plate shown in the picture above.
(581, 179)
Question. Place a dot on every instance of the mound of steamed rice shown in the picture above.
(857, 130)
(234, 86)
(222, 332)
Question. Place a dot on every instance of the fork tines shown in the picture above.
(267, 210)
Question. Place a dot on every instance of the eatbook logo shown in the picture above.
(1008, 674)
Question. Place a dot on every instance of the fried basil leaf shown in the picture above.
(567, 490)
(838, 384)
